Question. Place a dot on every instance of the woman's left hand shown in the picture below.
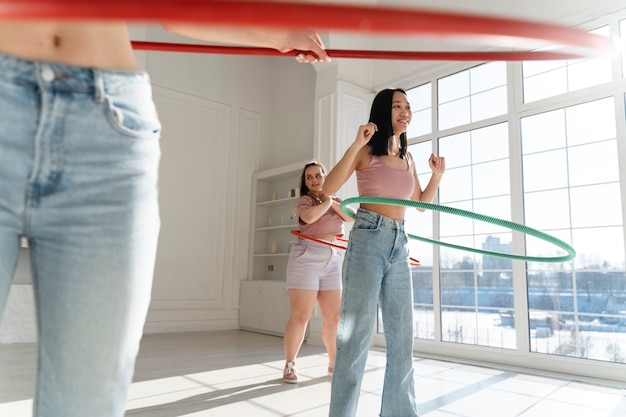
(437, 164)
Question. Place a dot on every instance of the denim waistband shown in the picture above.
(53, 77)
(379, 219)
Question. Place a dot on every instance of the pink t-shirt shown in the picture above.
(377, 179)
(329, 223)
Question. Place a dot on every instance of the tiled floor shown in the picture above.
(236, 373)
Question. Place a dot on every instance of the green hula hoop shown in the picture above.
(571, 253)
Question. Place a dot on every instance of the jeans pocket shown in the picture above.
(366, 225)
(134, 114)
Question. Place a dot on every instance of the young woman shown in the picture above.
(314, 269)
(79, 154)
(376, 267)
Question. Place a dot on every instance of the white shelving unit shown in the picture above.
(264, 303)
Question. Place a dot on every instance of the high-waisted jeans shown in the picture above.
(79, 153)
(376, 269)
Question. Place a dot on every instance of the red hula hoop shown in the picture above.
(351, 18)
(314, 239)
(414, 262)
(362, 54)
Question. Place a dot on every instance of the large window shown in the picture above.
(538, 143)
(476, 290)
(421, 106)
(472, 95)
(572, 191)
(421, 224)
(543, 79)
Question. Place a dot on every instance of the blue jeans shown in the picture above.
(79, 153)
(376, 269)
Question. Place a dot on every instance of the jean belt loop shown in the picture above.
(98, 81)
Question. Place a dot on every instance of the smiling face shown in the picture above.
(314, 179)
(400, 113)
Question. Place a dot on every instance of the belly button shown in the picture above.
(56, 40)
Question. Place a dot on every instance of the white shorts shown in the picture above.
(314, 266)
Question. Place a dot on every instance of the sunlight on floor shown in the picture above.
(234, 374)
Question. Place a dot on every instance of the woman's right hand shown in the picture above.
(365, 133)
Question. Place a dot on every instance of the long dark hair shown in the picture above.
(304, 190)
(380, 115)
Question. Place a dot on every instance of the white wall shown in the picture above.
(224, 118)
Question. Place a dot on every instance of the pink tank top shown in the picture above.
(329, 223)
(377, 179)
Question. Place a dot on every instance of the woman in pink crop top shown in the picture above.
(314, 269)
(376, 268)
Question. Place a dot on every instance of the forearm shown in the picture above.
(341, 172)
(313, 213)
(428, 195)
(221, 34)
(283, 40)
(337, 207)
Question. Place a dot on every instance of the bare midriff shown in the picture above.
(393, 212)
(86, 44)
(329, 237)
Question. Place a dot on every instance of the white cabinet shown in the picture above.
(263, 301)
(264, 306)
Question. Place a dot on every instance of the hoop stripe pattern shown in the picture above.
(571, 253)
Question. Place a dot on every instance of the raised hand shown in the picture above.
(437, 164)
(365, 133)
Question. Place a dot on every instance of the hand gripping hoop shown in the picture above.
(571, 253)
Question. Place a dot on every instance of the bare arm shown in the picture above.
(438, 166)
(351, 160)
(282, 40)
(337, 207)
(312, 214)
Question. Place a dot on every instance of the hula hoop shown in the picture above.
(360, 54)
(414, 262)
(350, 18)
(314, 239)
(571, 253)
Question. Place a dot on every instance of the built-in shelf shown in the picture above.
(264, 303)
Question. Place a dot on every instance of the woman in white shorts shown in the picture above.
(314, 269)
